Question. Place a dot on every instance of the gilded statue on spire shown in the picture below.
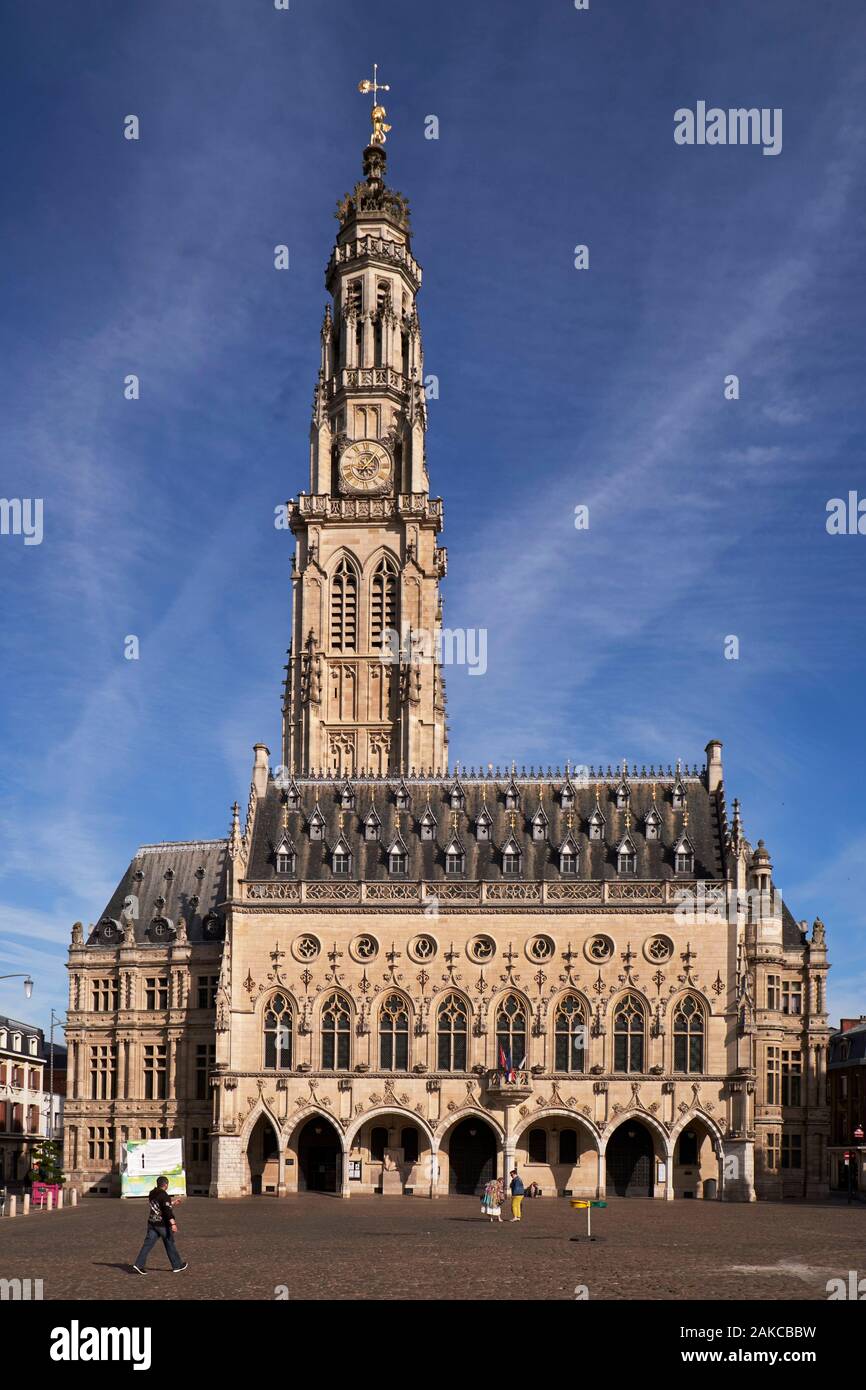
(378, 113)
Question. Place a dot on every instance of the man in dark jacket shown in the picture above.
(161, 1225)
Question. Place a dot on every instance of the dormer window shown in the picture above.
(596, 825)
(455, 857)
(679, 794)
(512, 796)
(293, 796)
(372, 825)
(684, 856)
(457, 797)
(285, 856)
(511, 858)
(653, 825)
(317, 825)
(566, 797)
(402, 799)
(428, 825)
(16, 1042)
(623, 796)
(626, 856)
(341, 858)
(483, 826)
(347, 796)
(539, 825)
(33, 1044)
(568, 856)
(398, 857)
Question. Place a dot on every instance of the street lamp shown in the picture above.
(28, 983)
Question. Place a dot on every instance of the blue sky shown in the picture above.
(557, 388)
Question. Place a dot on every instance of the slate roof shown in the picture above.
(184, 878)
(540, 860)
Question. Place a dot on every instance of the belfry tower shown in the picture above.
(364, 691)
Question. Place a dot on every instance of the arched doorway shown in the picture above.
(320, 1157)
(629, 1161)
(696, 1161)
(263, 1157)
(471, 1156)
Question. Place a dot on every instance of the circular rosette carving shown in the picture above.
(364, 948)
(658, 949)
(598, 949)
(481, 949)
(306, 947)
(422, 948)
(540, 948)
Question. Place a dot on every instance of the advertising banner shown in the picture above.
(144, 1160)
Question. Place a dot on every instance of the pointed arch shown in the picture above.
(453, 1017)
(688, 1015)
(511, 1012)
(394, 1028)
(630, 1013)
(344, 603)
(384, 596)
(336, 1016)
(570, 1013)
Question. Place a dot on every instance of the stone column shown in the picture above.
(434, 1168)
(601, 1187)
(227, 1161)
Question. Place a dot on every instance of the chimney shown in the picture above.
(260, 768)
(714, 764)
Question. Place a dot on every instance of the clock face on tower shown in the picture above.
(365, 467)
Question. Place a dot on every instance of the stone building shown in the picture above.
(400, 976)
(23, 1098)
(847, 1073)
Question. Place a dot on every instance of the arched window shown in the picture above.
(278, 1034)
(383, 601)
(568, 1146)
(569, 1028)
(511, 1034)
(394, 1034)
(689, 1036)
(336, 1020)
(628, 1035)
(537, 1148)
(452, 1028)
(409, 1144)
(344, 607)
(455, 859)
(378, 1143)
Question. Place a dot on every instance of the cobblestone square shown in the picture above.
(320, 1247)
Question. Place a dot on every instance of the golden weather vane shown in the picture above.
(378, 113)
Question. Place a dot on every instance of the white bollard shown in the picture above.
(49, 1199)
(74, 1196)
(60, 1199)
(26, 1206)
(12, 1201)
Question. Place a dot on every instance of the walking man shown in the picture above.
(517, 1194)
(161, 1225)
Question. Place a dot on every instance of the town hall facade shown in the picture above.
(403, 976)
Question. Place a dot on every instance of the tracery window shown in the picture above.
(452, 1029)
(278, 1034)
(569, 1030)
(511, 1031)
(383, 601)
(336, 1022)
(628, 1035)
(689, 1036)
(344, 607)
(394, 1034)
